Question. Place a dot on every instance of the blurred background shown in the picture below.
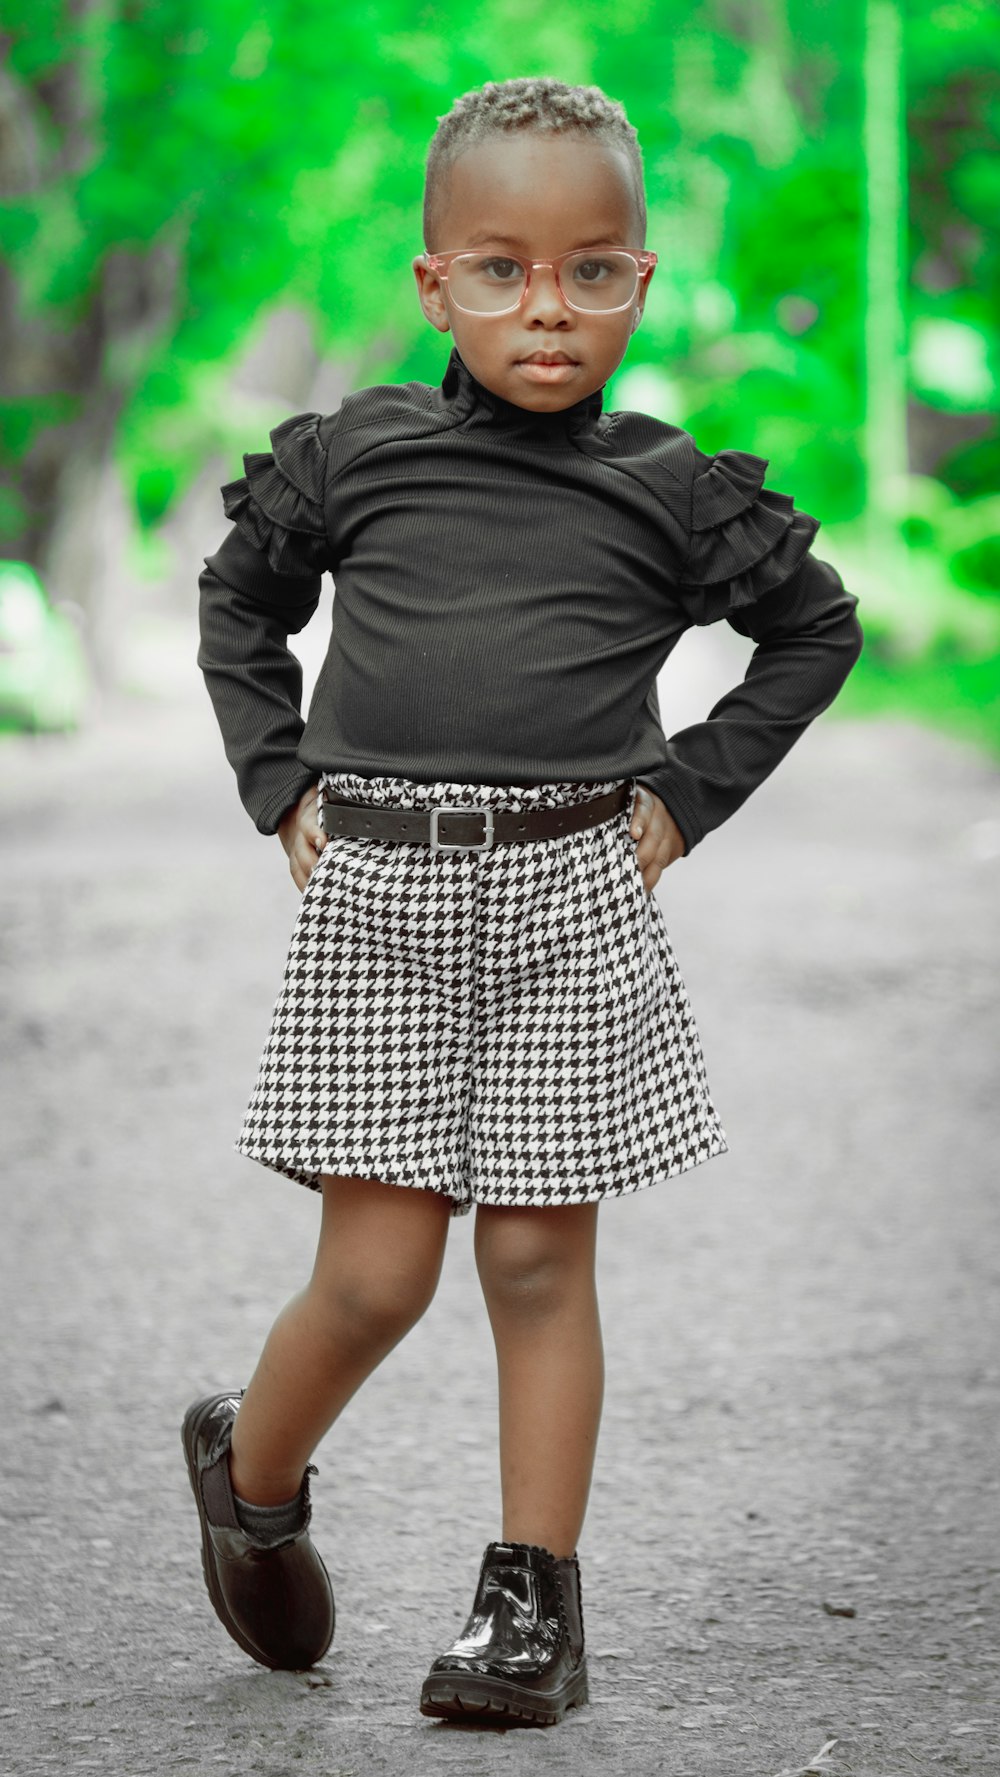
(207, 217)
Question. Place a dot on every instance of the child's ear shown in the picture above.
(431, 292)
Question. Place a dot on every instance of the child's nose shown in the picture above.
(544, 298)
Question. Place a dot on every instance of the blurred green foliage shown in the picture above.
(174, 169)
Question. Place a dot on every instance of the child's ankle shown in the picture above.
(270, 1525)
(254, 1487)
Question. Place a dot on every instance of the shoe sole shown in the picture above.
(193, 1421)
(468, 1697)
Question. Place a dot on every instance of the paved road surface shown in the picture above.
(802, 1335)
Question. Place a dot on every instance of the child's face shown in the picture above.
(537, 196)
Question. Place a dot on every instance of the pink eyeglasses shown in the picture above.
(601, 282)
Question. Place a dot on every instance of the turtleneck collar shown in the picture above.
(466, 395)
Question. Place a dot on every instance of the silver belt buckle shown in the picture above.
(460, 808)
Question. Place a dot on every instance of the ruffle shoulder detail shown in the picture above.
(278, 503)
(740, 534)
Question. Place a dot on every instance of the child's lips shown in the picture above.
(546, 358)
(547, 370)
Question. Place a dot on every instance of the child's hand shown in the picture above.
(661, 841)
(302, 836)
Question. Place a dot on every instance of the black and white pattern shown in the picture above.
(505, 1026)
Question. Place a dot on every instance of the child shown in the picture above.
(481, 1004)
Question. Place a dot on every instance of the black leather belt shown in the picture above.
(461, 827)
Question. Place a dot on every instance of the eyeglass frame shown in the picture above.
(644, 263)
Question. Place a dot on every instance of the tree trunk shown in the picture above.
(58, 355)
(885, 449)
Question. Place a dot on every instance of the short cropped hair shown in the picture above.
(537, 103)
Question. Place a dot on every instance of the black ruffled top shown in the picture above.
(508, 585)
(278, 502)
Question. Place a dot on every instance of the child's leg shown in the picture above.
(537, 1271)
(377, 1265)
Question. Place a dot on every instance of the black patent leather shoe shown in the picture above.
(277, 1603)
(520, 1658)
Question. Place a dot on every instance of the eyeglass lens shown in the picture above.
(490, 284)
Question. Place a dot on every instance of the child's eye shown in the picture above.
(500, 271)
(593, 271)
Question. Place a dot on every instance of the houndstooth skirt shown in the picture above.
(505, 1026)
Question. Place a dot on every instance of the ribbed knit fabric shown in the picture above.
(508, 586)
(267, 1526)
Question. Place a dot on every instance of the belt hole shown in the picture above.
(521, 827)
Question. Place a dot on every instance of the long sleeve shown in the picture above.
(750, 562)
(262, 585)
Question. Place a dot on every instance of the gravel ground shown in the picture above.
(792, 1537)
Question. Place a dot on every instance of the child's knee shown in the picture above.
(376, 1306)
(379, 1259)
(527, 1268)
